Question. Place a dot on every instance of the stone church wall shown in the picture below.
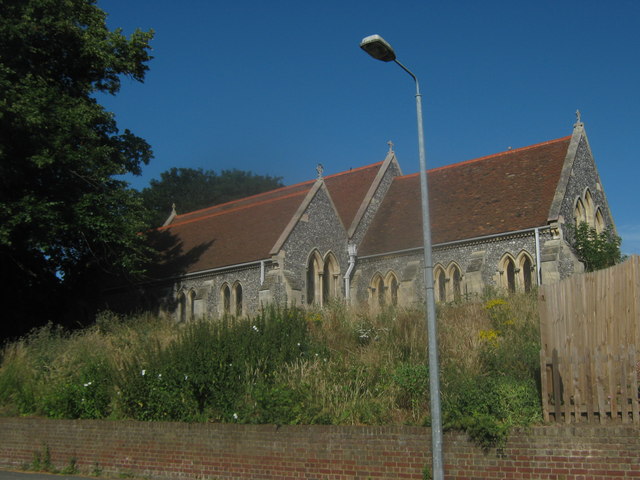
(319, 229)
(584, 175)
(479, 263)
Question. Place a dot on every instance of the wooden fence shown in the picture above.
(590, 330)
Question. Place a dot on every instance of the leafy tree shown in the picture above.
(596, 250)
(63, 215)
(191, 189)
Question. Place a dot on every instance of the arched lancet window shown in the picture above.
(191, 301)
(186, 300)
(226, 299)
(392, 289)
(588, 208)
(526, 272)
(440, 284)
(182, 307)
(377, 289)
(579, 212)
(380, 291)
(330, 276)
(237, 293)
(456, 277)
(511, 275)
(599, 220)
(314, 271)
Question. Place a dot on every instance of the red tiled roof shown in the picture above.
(499, 193)
(227, 236)
(349, 188)
(245, 230)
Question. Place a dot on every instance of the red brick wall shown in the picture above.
(179, 450)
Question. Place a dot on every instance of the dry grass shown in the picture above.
(370, 369)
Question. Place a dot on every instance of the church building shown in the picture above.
(356, 236)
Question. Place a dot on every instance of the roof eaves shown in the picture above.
(232, 210)
(214, 208)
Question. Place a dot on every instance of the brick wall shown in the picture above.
(162, 450)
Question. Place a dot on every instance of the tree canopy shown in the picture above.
(596, 250)
(191, 189)
(63, 215)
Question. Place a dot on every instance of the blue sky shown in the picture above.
(277, 87)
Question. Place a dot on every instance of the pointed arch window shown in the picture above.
(330, 283)
(589, 212)
(440, 283)
(182, 307)
(226, 299)
(599, 220)
(314, 284)
(186, 300)
(511, 275)
(517, 275)
(392, 289)
(456, 277)
(323, 278)
(384, 290)
(508, 273)
(579, 212)
(237, 294)
(526, 269)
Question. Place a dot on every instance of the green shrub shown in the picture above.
(82, 393)
(207, 371)
(412, 381)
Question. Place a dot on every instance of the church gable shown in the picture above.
(315, 252)
(580, 195)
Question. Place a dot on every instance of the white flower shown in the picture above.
(235, 416)
(87, 384)
(159, 375)
(143, 372)
(186, 376)
(255, 328)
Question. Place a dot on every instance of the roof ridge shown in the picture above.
(232, 210)
(268, 192)
(353, 170)
(505, 152)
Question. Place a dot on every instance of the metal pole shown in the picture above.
(432, 331)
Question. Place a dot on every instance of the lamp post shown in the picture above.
(379, 49)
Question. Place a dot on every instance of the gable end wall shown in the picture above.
(319, 228)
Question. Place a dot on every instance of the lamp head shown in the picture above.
(378, 48)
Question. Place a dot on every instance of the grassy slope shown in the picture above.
(334, 366)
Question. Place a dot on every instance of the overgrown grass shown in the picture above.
(287, 366)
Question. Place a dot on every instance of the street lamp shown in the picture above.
(379, 49)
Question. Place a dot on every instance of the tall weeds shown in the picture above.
(336, 365)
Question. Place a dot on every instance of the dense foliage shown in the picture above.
(63, 215)
(192, 189)
(289, 366)
(596, 250)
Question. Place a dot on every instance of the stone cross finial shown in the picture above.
(319, 169)
(578, 119)
(390, 143)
